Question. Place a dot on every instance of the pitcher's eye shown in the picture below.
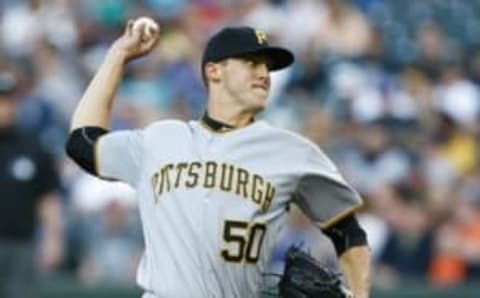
(254, 61)
(249, 61)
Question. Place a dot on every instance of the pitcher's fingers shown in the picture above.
(129, 28)
(150, 44)
(135, 31)
(153, 31)
(154, 36)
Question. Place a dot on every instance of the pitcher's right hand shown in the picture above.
(134, 42)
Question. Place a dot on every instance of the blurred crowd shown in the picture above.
(388, 88)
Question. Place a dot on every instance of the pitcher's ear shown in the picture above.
(212, 71)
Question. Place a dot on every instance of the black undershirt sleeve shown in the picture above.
(345, 234)
(80, 146)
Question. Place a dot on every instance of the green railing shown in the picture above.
(68, 288)
(417, 291)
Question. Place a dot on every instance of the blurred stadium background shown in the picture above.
(388, 88)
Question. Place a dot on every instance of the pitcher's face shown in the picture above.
(246, 80)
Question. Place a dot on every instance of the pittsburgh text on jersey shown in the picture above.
(211, 174)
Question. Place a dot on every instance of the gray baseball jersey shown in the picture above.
(213, 203)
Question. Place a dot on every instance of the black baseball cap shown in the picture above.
(8, 83)
(237, 41)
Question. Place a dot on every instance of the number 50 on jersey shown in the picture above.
(243, 241)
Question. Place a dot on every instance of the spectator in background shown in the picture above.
(450, 156)
(114, 246)
(457, 96)
(408, 248)
(431, 44)
(28, 181)
(457, 255)
(20, 27)
(104, 228)
(375, 161)
(343, 31)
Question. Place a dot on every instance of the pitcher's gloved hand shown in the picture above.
(305, 277)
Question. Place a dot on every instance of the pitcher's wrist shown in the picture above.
(118, 55)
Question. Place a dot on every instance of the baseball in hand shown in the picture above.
(147, 25)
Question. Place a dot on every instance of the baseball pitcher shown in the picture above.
(213, 194)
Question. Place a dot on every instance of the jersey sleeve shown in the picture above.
(322, 193)
(119, 155)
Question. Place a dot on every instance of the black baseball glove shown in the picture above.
(305, 277)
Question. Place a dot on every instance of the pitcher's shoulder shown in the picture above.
(289, 136)
(168, 124)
